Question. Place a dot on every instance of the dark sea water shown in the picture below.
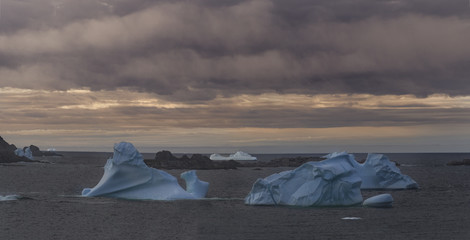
(53, 209)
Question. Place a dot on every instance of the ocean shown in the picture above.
(52, 208)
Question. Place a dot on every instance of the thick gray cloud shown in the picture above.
(197, 50)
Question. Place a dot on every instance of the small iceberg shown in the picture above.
(26, 152)
(9, 198)
(332, 182)
(379, 201)
(127, 176)
(238, 156)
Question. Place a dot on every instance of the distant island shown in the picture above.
(166, 160)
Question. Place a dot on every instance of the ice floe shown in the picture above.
(380, 201)
(9, 198)
(127, 176)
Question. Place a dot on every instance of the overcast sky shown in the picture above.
(227, 75)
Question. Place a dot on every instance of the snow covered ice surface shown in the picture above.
(381, 201)
(127, 176)
(238, 156)
(335, 181)
(332, 182)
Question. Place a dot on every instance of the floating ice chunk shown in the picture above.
(9, 198)
(238, 156)
(127, 176)
(332, 182)
(378, 172)
(351, 218)
(379, 201)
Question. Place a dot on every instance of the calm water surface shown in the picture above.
(53, 209)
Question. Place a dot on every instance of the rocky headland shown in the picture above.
(7, 153)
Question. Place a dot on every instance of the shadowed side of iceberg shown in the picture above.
(127, 176)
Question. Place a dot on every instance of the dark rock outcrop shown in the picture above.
(166, 160)
(282, 162)
(465, 162)
(38, 153)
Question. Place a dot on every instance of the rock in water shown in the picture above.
(379, 201)
(332, 182)
(127, 176)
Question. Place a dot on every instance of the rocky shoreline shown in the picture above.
(7, 153)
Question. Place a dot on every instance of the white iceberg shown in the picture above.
(238, 156)
(380, 201)
(24, 153)
(127, 176)
(378, 172)
(332, 182)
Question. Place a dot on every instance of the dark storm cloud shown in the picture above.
(197, 50)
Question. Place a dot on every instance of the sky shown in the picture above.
(262, 76)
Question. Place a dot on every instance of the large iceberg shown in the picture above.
(238, 156)
(335, 181)
(332, 182)
(378, 172)
(127, 176)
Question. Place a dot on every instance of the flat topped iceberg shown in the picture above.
(238, 156)
(378, 172)
(332, 182)
(127, 176)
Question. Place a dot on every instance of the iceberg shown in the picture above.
(238, 156)
(335, 181)
(127, 176)
(332, 182)
(379, 201)
(26, 152)
(378, 172)
(9, 198)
